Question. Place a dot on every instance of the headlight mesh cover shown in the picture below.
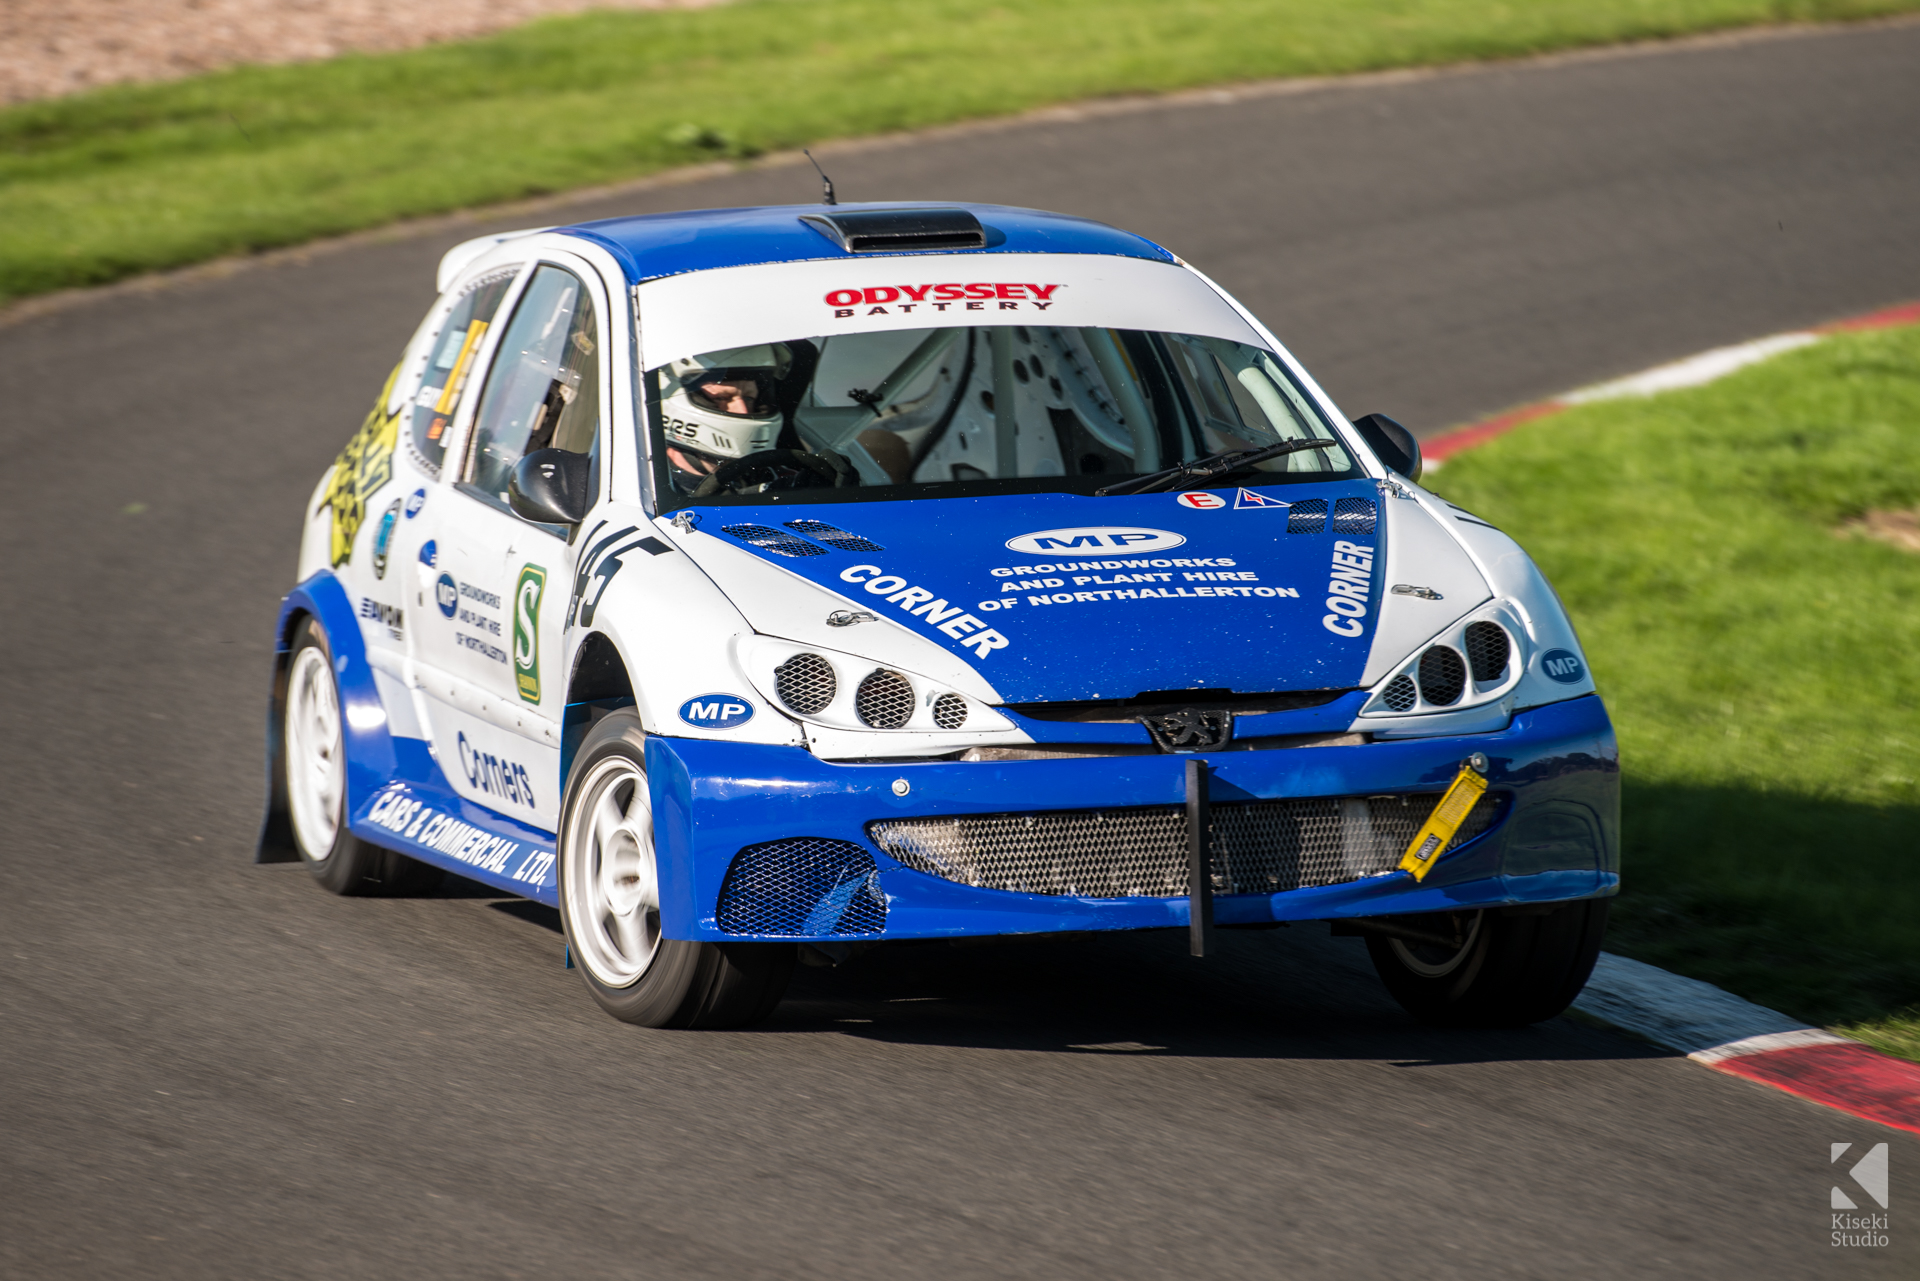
(1259, 847)
(884, 699)
(805, 683)
(950, 711)
(1443, 677)
(1487, 650)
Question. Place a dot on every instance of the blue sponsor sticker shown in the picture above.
(716, 711)
(1563, 665)
(383, 538)
(446, 594)
(415, 501)
(430, 554)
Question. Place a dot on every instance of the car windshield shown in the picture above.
(955, 412)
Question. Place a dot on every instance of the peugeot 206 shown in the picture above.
(753, 585)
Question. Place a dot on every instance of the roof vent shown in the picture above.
(872, 231)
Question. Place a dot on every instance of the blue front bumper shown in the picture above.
(1558, 837)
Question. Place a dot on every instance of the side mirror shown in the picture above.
(552, 487)
(1395, 444)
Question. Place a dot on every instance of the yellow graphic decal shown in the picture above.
(364, 466)
(457, 377)
(1431, 841)
(456, 380)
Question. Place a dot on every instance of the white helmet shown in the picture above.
(725, 404)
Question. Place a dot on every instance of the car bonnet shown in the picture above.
(1063, 597)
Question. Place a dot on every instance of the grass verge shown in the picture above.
(135, 178)
(1762, 667)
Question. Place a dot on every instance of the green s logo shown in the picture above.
(526, 631)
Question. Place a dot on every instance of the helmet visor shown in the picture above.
(745, 392)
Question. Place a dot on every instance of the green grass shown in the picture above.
(1762, 671)
(130, 179)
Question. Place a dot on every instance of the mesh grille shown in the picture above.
(1354, 515)
(950, 711)
(774, 540)
(833, 536)
(1443, 677)
(1261, 847)
(807, 887)
(1487, 650)
(1308, 516)
(884, 699)
(1400, 695)
(805, 683)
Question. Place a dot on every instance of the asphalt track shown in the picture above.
(211, 1069)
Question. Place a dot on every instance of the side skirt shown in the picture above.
(416, 813)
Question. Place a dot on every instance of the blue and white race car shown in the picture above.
(756, 585)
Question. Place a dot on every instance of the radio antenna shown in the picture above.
(826, 183)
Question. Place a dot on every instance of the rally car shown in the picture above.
(763, 585)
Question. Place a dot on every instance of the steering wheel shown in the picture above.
(776, 469)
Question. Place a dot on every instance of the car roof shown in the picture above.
(650, 246)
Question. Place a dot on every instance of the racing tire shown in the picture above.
(610, 904)
(313, 765)
(1510, 969)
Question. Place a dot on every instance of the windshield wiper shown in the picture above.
(1213, 465)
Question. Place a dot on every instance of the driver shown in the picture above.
(720, 406)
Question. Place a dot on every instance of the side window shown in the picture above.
(450, 364)
(543, 391)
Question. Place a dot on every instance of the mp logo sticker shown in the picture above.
(1095, 540)
(716, 711)
(526, 631)
(1563, 666)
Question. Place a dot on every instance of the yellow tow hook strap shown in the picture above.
(1431, 841)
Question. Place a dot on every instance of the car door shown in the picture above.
(491, 663)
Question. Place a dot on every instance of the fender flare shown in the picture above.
(366, 738)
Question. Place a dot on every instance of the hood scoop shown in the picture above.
(874, 231)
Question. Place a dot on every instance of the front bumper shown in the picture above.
(1558, 837)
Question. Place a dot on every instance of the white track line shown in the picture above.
(1698, 1019)
(1768, 1042)
(1694, 371)
(1708, 1025)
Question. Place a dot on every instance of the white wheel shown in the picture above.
(612, 882)
(315, 756)
(610, 903)
(313, 771)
